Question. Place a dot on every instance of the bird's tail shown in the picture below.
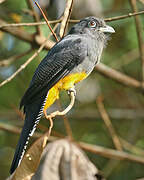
(33, 113)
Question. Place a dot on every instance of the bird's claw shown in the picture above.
(72, 90)
(72, 93)
(52, 115)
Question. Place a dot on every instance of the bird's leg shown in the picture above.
(72, 94)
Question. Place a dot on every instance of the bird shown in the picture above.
(67, 63)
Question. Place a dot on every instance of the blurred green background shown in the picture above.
(124, 105)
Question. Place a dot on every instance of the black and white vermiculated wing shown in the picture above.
(61, 59)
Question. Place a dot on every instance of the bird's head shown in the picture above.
(93, 26)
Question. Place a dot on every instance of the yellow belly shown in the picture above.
(64, 84)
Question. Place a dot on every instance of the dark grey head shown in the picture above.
(93, 26)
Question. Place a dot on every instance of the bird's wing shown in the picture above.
(61, 59)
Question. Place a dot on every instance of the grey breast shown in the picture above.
(94, 51)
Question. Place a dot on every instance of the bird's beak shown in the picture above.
(107, 29)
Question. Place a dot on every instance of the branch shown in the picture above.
(35, 16)
(21, 68)
(131, 114)
(10, 60)
(26, 63)
(71, 21)
(139, 35)
(124, 16)
(47, 21)
(116, 18)
(102, 151)
(108, 123)
(110, 153)
(66, 17)
(131, 148)
(66, 123)
(118, 76)
(18, 32)
(23, 35)
(29, 24)
(63, 113)
(15, 130)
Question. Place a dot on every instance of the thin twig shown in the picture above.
(29, 24)
(54, 133)
(66, 17)
(71, 21)
(124, 16)
(21, 67)
(62, 113)
(116, 18)
(108, 123)
(132, 148)
(66, 123)
(115, 113)
(50, 128)
(27, 37)
(18, 32)
(10, 60)
(105, 152)
(35, 16)
(118, 76)
(110, 153)
(26, 63)
(139, 35)
(47, 21)
(16, 130)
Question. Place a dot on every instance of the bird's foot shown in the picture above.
(52, 115)
(72, 94)
(72, 90)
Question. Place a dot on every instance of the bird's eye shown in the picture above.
(92, 24)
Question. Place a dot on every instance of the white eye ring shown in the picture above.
(92, 24)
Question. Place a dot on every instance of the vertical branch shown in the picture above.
(55, 36)
(66, 17)
(35, 16)
(108, 123)
(66, 123)
(139, 34)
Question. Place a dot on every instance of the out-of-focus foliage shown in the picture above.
(121, 53)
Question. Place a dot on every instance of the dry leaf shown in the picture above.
(60, 160)
(64, 160)
(31, 160)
